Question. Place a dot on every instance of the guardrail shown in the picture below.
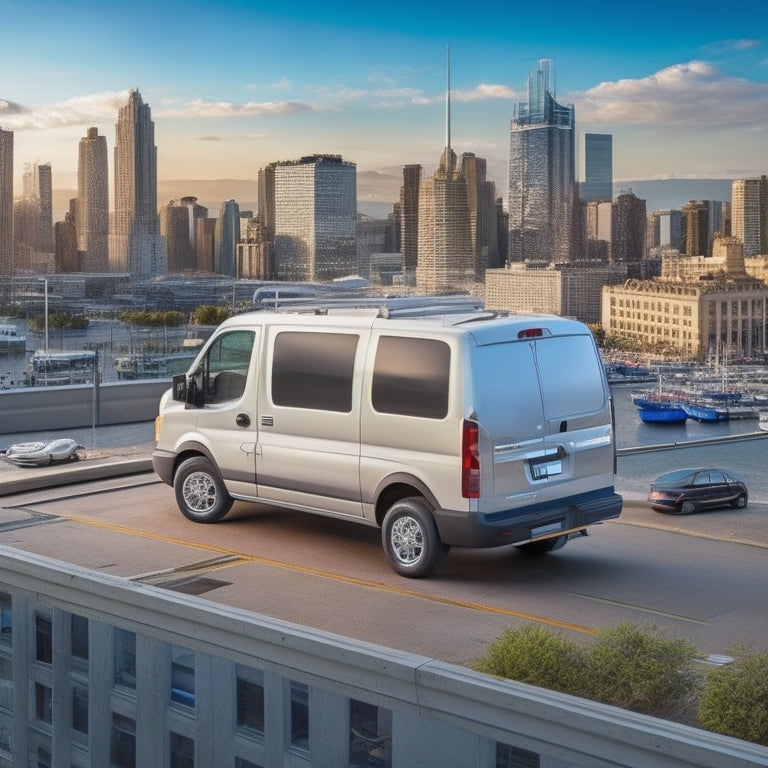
(437, 714)
(34, 409)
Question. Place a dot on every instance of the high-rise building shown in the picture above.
(749, 214)
(92, 211)
(33, 220)
(598, 167)
(409, 218)
(67, 255)
(541, 174)
(6, 205)
(663, 231)
(312, 203)
(481, 199)
(44, 185)
(227, 238)
(627, 229)
(135, 243)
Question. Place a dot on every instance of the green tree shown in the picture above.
(210, 314)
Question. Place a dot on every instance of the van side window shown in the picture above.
(411, 376)
(226, 365)
(314, 370)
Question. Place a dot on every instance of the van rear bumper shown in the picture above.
(528, 523)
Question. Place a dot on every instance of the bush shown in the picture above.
(641, 670)
(734, 701)
(535, 656)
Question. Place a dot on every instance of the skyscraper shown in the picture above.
(541, 174)
(227, 238)
(135, 244)
(315, 217)
(409, 218)
(92, 212)
(749, 214)
(6, 204)
(598, 167)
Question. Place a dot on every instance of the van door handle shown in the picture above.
(243, 420)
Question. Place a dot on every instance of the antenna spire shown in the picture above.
(448, 99)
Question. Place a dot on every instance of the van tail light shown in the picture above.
(470, 460)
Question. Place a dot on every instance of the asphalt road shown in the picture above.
(700, 576)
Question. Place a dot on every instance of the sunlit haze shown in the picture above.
(682, 88)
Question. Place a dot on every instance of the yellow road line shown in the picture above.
(242, 557)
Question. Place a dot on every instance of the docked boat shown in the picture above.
(702, 411)
(53, 369)
(10, 340)
(660, 411)
(763, 421)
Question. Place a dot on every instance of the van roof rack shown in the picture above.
(386, 306)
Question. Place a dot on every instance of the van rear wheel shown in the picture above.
(200, 492)
(410, 538)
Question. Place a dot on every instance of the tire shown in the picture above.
(544, 545)
(687, 508)
(410, 538)
(200, 492)
(740, 502)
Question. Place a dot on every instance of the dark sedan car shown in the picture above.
(690, 490)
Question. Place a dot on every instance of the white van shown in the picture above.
(471, 430)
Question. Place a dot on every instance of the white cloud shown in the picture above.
(79, 110)
(225, 109)
(694, 96)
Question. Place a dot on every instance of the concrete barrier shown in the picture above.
(35, 409)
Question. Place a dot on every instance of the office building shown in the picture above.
(135, 243)
(67, 255)
(749, 214)
(598, 167)
(6, 205)
(663, 231)
(628, 222)
(409, 219)
(701, 307)
(541, 174)
(568, 290)
(92, 222)
(226, 238)
(314, 200)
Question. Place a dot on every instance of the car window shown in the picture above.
(717, 477)
(701, 478)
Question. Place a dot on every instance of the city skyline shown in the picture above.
(683, 91)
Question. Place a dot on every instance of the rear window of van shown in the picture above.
(411, 377)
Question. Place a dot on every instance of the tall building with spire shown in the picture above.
(135, 243)
(446, 247)
(541, 173)
(92, 210)
(6, 204)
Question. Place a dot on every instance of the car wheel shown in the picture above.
(740, 502)
(410, 538)
(200, 492)
(544, 545)
(687, 508)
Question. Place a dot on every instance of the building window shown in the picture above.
(79, 639)
(370, 735)
(183, 676)
(43, 757)
(125, 658)
(43, 703)
(43, 639)
(6, 618)
(241, 762)
(250, 705)
(508, 756)
(80, 709)
(122, 752)
(299, 715)
(182, 751)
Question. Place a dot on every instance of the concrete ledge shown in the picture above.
(20, 480)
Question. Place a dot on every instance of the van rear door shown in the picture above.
(551, 424)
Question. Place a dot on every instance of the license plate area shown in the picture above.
(546, 466)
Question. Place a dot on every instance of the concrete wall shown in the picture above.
(35, 409)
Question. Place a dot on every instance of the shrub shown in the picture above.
(734, 701)
(641, 670)
(535, 656)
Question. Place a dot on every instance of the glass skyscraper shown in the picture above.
(541, 174)
(6, 203)
(93, 202)
(598, 167)
(135, 244)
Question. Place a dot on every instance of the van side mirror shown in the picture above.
(179, 387)
(187, 390)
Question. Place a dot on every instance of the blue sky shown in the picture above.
(235, 85)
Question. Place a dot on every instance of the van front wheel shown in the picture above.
(200, 492)
(410, 538)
